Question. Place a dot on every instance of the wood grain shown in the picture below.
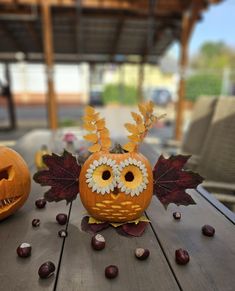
(82, 268)
(211, 266)
(22, 273)
(211, 259)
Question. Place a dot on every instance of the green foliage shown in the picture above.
(124, 94)
(203, 84)
(214, 55)
(67, 123)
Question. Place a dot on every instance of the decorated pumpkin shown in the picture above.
(14, 182)
(116, 187)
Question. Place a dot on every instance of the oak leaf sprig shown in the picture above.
(98, 132)
(143, 123)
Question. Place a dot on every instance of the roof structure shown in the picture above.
(95, 30)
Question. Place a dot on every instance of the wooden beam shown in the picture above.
(49, 59)
(140, 84)
(188, 23)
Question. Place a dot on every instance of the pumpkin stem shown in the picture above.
(117, 149)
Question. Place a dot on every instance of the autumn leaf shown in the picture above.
(141, 128)
(142, 109)
(134, 138)
(89, 110)
(62, 175)
(89, 126)
(129, 147)
(91, 137)
(94, 148)
(150, 106)
(171, 181)
(105, 143)
(100, 124)
(137, 117)
(104, 133)
(90, 118)
(132, 128)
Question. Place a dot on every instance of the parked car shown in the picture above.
(96, 98)
(160, 96)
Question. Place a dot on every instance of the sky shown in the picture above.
(218, 24)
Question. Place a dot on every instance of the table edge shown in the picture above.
(216, 203)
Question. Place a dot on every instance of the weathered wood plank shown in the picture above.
(82, 268)
(21, 273)
(212, 259)
(18, 273)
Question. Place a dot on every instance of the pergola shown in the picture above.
(98, 31)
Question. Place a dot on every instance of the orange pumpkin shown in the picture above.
(116, 187)
(14, 182)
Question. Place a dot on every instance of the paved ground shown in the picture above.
(32, 117)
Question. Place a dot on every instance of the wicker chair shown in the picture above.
(217, 160)
(195, 136)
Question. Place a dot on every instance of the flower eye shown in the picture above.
(106, 175)
(101, 175)
(133, 178)
(129, 176)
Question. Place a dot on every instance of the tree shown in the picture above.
(213, 55)
(207, 69)
(202, 84)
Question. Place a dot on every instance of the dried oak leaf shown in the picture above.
(62, 175)
(171, 181)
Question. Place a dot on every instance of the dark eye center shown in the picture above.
(106, 175)
(129, 177)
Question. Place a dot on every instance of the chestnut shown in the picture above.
(142, 254)
(177, 215)
(61, 218)
(24, 250)
(35, 222)
(40, 203)
(181, 257)
(111, 272)
(46, 270)
(208, 230)
(98, 242)
(62, 233)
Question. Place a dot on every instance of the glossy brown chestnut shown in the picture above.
(208, 230)
(46, 270)
(35, 222)
(61, 218)
(111, 272)
(24, 250)
(142, 254)
(40, 203)
(98, 242)
(181, 257)
(177, 215)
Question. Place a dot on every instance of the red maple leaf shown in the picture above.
(171, 181)
(62, 175)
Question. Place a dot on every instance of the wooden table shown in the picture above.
(212, 260)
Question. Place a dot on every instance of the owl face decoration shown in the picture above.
(116, 187)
